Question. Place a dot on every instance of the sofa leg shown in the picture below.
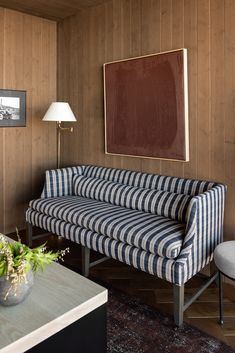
(85, 261)
(178, 305)
(29, 234)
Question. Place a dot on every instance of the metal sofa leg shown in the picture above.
(221, 300)
(29, 234)
(178, 305)
(85, 261)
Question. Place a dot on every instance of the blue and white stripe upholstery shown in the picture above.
(58, 182)
(149, 181)
(162, 203)
(156, 234)
(140, 259)
(203, 230)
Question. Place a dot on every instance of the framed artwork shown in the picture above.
(12, 108)
(146, 106)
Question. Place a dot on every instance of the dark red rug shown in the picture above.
(134, 327)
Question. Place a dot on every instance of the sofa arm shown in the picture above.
(58, 182)
(204, 230)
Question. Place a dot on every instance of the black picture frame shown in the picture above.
(12, 108)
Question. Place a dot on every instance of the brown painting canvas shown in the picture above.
(146, 106)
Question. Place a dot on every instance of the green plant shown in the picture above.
(16, 259)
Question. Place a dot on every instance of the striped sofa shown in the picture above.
(165, 226)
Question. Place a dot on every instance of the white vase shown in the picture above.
(16, 294)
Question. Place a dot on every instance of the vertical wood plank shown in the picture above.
(97, 50)
(37, 110)
(133, 49)
(203, 83)
(217, 90)
(165, 45)
(44, 73)
(229, 120)
(66, 86)
(136, 27)
(190, 42)
(27, 132)
(109, 56)
(121, 46)
(177, 43)
(15, 150)
(150, 44)
(85, 92)
(80, 39)
(166, 25)
(173, 38)
(2, 130)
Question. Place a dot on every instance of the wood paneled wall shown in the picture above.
(27, 62)
(126, 28)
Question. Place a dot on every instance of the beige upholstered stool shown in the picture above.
(224, 257)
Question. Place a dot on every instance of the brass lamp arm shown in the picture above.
(70, 129)
(59, 129)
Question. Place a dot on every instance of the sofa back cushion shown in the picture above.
(149, 181)
(162, 203)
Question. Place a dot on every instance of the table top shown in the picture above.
(59, 298)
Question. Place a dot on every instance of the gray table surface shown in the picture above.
(59, 298)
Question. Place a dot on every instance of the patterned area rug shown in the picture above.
(134, 327)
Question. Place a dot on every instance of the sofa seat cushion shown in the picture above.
(155, 234)
(130, 255)
(161, 203)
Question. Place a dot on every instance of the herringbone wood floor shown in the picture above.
(158, 293)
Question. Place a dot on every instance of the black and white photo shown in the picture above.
(12, 108)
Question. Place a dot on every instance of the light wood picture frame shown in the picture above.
(146, 106)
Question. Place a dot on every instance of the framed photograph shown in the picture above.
(146, 106)
(12, 108)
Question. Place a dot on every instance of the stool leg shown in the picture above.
(221, 300)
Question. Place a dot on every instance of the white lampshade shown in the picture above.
(59, 111)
